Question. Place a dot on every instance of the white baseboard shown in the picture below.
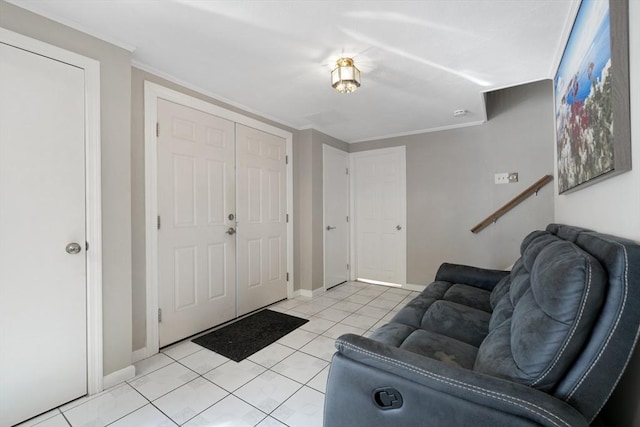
(415, 288)
(118, 377)
(138, 355)
(311, 293)
(306, 293)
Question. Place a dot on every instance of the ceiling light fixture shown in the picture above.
(345, 78)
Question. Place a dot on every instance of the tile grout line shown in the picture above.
(63, 416)
(129, 413)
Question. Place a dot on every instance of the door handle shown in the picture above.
(329, 228)
(231, 231)
(398, 228)
(73, 248)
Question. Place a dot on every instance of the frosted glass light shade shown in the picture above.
(345, 78)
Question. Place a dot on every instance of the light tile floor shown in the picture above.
(281, 385)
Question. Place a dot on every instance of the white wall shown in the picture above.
(613, 206)
(303, 211)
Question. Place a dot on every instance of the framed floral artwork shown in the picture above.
(593, 137)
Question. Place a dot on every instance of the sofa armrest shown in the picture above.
(467, 275)
(433, 393)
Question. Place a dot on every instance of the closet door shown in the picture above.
(196, 207)
(335, 185)
(262, 234)
(379, 213)
(43, 311)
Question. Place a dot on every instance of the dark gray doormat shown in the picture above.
(241, 339)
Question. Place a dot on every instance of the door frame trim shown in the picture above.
(93, 198)
(152, 93)
(401, 149)
(325, 149)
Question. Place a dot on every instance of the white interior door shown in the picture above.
(43, 312)
(378, 178)
(262, 238)
(336, 215)
(196, 207)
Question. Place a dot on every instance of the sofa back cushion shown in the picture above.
(551, 308)
(529, 249)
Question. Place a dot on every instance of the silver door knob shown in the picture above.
(329, 228)
(73, 248)
(231, 231)
(398, 227)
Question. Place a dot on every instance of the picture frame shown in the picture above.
(591, 87)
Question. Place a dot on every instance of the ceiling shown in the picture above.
(420, 60)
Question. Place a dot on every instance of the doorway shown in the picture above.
(196, 208)
(50, 251)
(261, 218)
(335, 180)
(378, 183)
(241, 270)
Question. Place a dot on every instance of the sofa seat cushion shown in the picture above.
(449, 319)
(440, 347)
(412, 313)
(427, 343)
(458, 321)
(447, 322)
(552, 310)
(393, 334)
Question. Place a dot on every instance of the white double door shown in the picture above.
(222, 220)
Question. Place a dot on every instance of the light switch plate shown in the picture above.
(501, 178)
(505, 177)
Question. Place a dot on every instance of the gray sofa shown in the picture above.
(543, 344)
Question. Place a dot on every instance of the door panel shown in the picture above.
(196, 195)
(218, 254)
(185, 277)
(184, 188)
(380, 214)
(261, 193)
(216, 187)
(336, 211)
(43, 326)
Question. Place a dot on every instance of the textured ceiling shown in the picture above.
(420, 60)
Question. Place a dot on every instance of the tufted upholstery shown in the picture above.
(451, 330)
(542, 324)
(528, 329)
(545, 329)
